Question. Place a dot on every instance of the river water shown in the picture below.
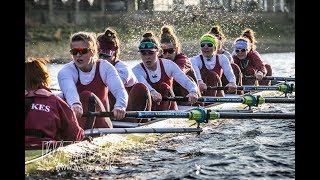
(226, 149)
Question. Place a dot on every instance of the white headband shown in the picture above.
(241, 45)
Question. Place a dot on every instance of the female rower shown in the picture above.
(158, 74)
(139, 95)
(47, 117)
(209, 67)
(216, 31)
(249, 62)
(249, 33)
(86, 77)
(170, 46)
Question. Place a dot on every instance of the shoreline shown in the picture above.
(274, 32)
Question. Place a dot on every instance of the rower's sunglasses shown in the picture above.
(145, 52)
(238, 50)
(104, 55)
(208, 44)
(147, 45)
(170, 51)
(75, 51)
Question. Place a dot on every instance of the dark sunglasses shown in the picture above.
(75, 51)
(145, 52)
(238, 50)
(147, 45)
(104, 55)
(208, 44)
(170, 51)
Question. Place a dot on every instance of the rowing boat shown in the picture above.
(51, 158)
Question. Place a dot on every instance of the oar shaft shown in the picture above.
(286, 88)
(198, 114)
(225, 115)
(100, 131)
(273, 78)
(247, 88)
(204, 99)
(246, 99)
(143, 114)
(54, 89)
(234, 110)
(221, 99)
(279, 100)
(176, 98)
(279, 78)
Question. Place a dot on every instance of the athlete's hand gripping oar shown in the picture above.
(273, 78)
(285, 88)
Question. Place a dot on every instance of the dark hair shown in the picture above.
(168, 36)
(109, 39)
(150, 37)
(216, 30)
(249, 34)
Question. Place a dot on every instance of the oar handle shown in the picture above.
(176, 98)
(55, 89)
(221, 88)
(108, 114)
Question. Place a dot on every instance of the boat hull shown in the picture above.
(36, 158)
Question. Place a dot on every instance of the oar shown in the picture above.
(285, 88)
(143, 114)
(234, 110)
(100, 131)
(257, 115)
(247, 99)
(273, 78)
(198, 114)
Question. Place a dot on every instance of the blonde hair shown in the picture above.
(87, 37)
